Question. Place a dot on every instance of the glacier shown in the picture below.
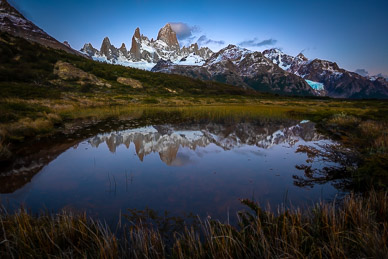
(316, 85)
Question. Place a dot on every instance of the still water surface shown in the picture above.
(203, 168)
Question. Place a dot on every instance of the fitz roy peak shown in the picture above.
(167, 35)
(145, 53)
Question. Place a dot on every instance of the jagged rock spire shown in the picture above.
(142, 49)
(89, 50)
(168, 35)
(123, 50)
(105, 46)
(302, 57)
(108, 50)
(136, 42)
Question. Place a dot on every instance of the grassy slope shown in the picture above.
(29, 69)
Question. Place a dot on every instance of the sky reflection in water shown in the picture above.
(200, 168)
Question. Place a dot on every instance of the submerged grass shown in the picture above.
(356, 228)
(367, 138)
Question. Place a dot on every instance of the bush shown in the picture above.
(150, 100)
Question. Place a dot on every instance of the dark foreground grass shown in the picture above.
(358, 228)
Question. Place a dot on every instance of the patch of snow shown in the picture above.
(235, 54)
(147, 48)
(337, 74)
(145, 65)
(160, 42)
(125, 62)
(284, 66)
(191, 60)
(190, 135)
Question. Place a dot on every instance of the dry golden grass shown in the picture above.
(381, 142)
(377, 132)
(63, 235)
(30, 127)
(358, 228)
(344, 120)
(372, 128)
(4, 151)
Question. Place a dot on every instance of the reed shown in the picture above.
(356, 227)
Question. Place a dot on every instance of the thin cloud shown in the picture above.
(383, 75)
(362, 72)
(255, 43)
(304, 50)
(187, 41)
(203, 40)
(183, 30)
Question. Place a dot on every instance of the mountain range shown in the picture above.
(328, 76)
(274, 71)
(145, 53)
(268, 71)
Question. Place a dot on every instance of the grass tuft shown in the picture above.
(357, 228)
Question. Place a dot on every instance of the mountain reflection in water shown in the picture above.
(167, 139)
(203, 168)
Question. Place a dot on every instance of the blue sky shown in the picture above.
(351, 33)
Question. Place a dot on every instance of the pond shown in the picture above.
(200, 166)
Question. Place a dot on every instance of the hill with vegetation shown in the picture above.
(27, 71)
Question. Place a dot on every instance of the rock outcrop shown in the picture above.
(68, 72)
(130, 82)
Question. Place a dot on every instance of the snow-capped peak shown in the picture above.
(145, 53)
(232, 53)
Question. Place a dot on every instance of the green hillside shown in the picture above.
(27, 71)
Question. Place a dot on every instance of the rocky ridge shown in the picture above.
(244, 68)
(14, 23)
(333, 80)
(145, 53)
